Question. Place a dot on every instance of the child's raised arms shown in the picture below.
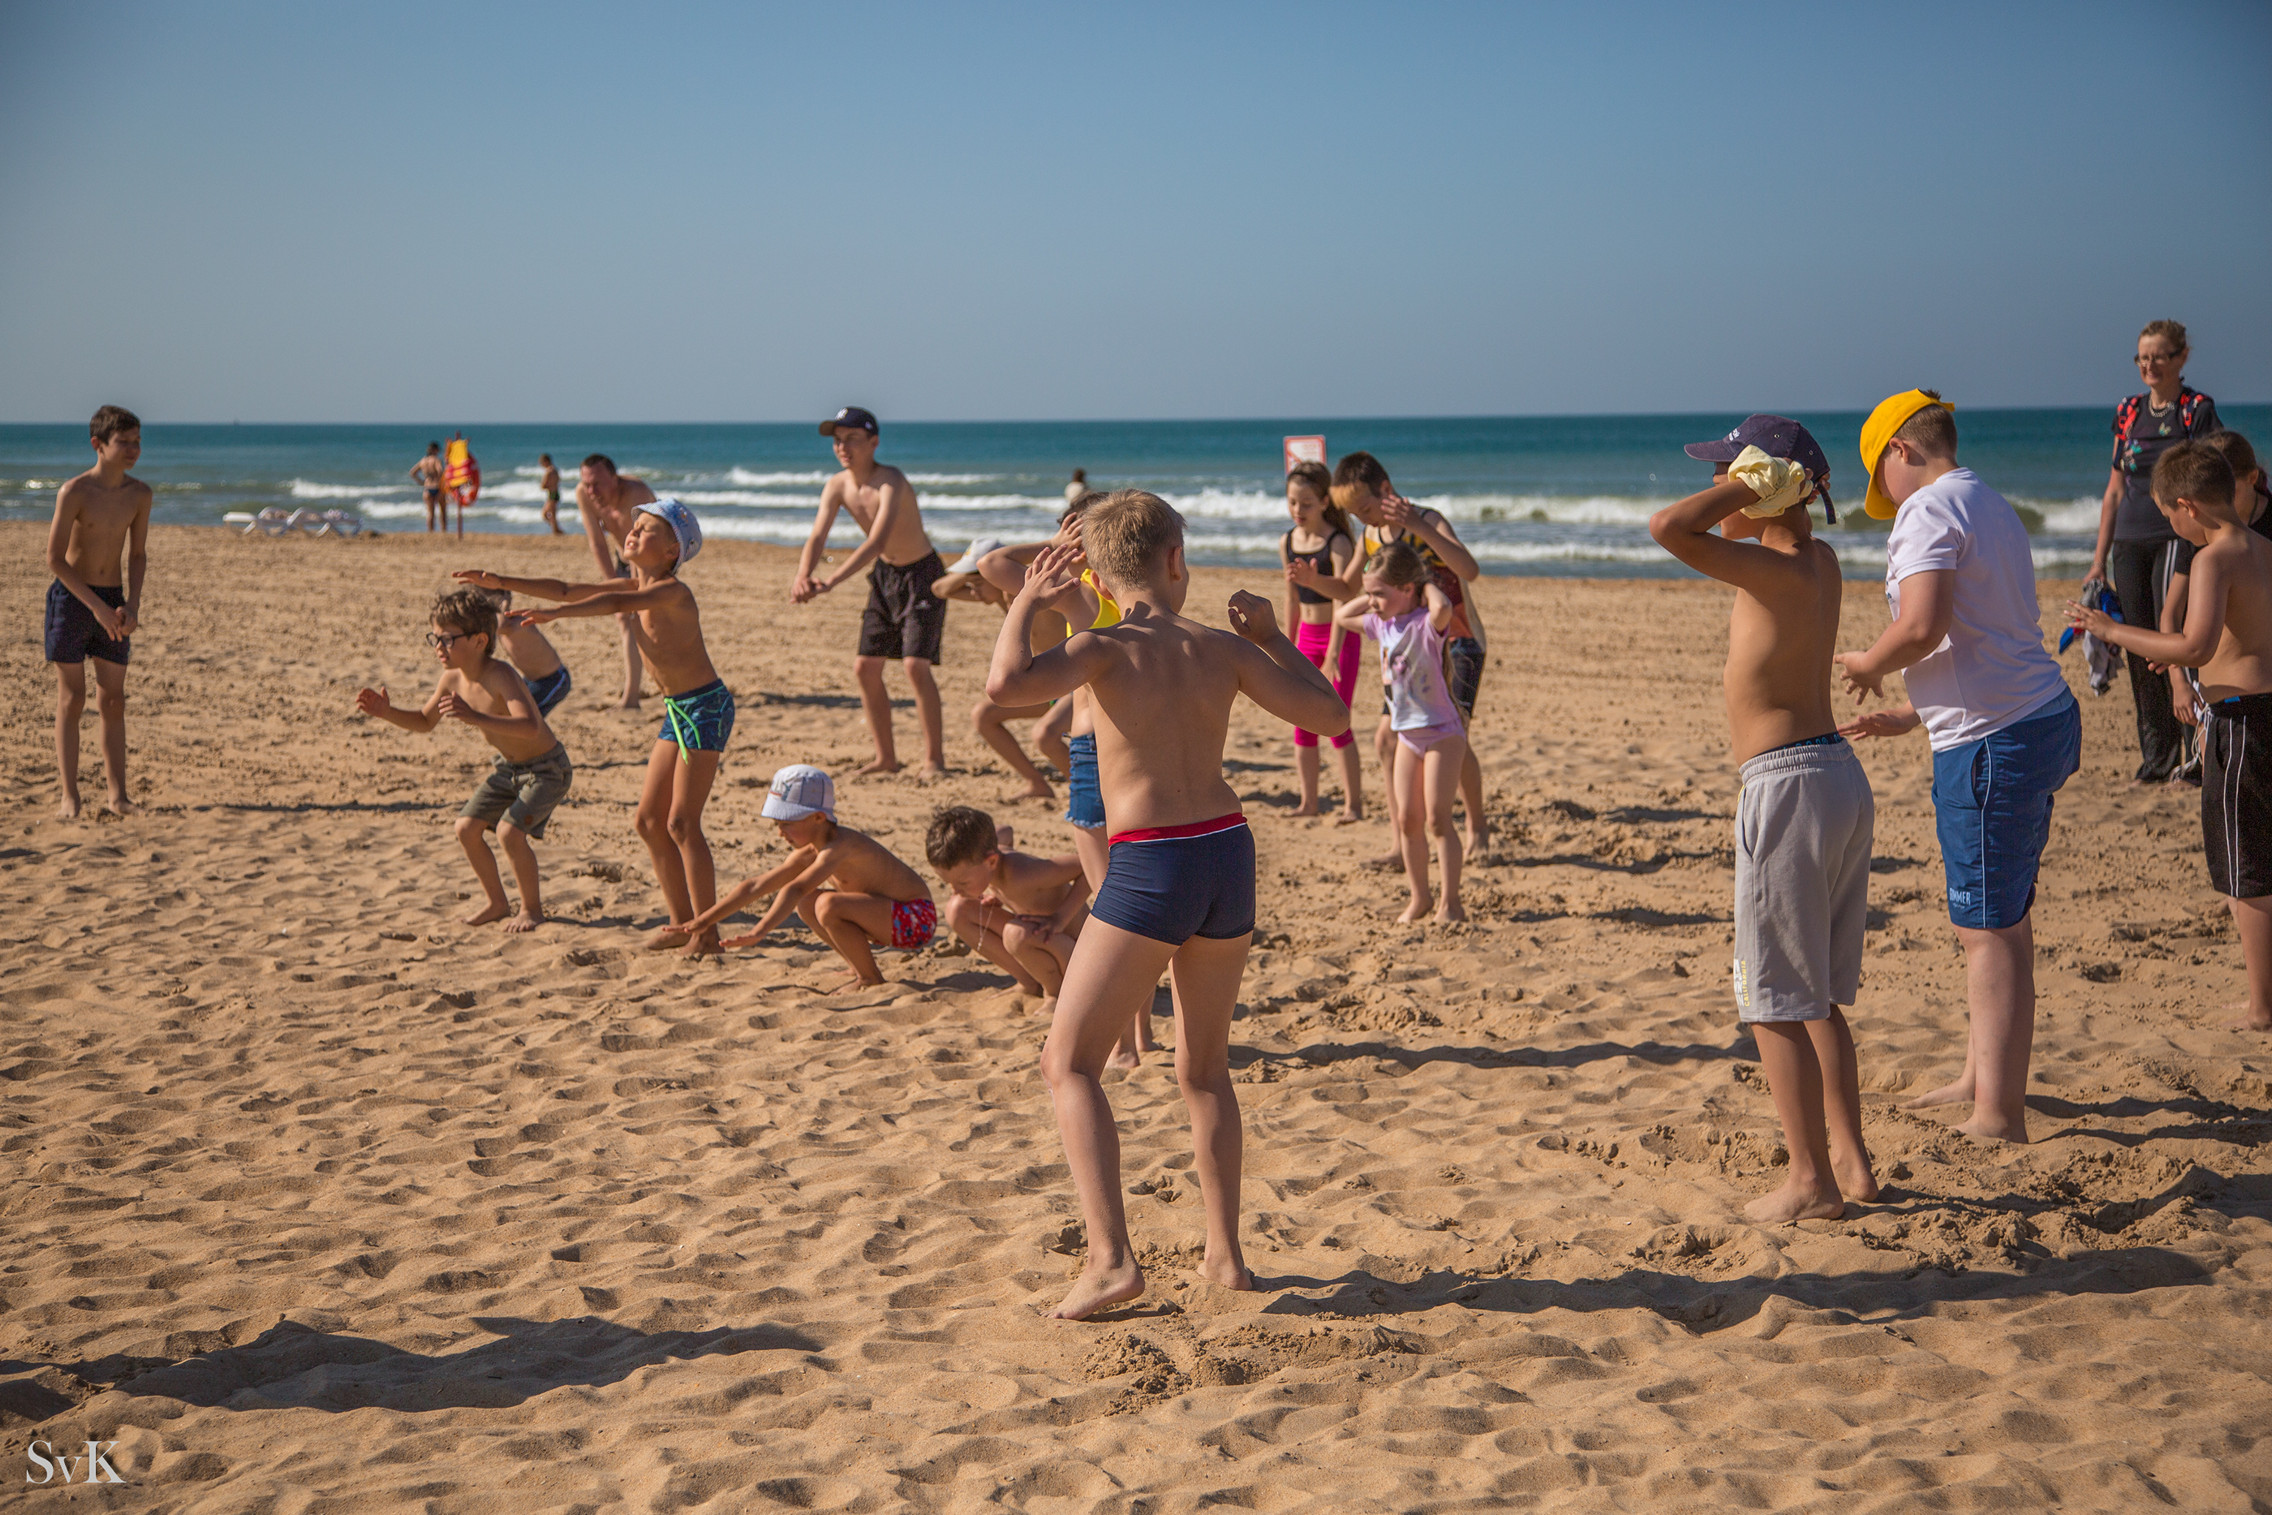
(545, 589)
(1275, 675)
(1684, 529)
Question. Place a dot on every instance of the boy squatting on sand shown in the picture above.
(1178, 890)
(2228, 636)
(532, 773)
(698, 708)
(1805, 818)
(845, 884)
(101, 516)
(1020, 911)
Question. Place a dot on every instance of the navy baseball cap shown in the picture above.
(1778, 437)
(852, 416)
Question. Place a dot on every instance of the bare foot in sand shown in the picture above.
(1958, 1093)
(1476, 839)
(932, 772)
(628, 702)
(1452, 913)
(1124, 1058)
(1308, 807)
(1415, 912)
(1387, 860)
(496, 910)
(664, 939)
(880, 765)
(524, 922)
(1985, 1127)
(847, 985)
(1047, 1009)
(1094, 1291)
(67, 809)
(706, 945)
(2248, 1023)
(1226, 1275)
(1349, 818)
(1794, 1202)
(121, 807)
(1034, 791)
(1855, 1180)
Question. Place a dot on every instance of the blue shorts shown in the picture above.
(1992, 808)
(74, 635)
(551, 689)
(1173, 887)
(699, 720)
(1084, 797)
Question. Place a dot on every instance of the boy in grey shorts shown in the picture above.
(1804, 821)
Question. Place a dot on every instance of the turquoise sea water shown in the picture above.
(1531, 495)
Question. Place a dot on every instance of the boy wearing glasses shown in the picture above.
(532, 773)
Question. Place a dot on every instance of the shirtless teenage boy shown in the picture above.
(1805, 817)
(846, 885)
(1179, 890)
(608, 503)
(101, 517)
(904, 619)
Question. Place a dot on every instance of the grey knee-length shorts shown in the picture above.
(1803, 828)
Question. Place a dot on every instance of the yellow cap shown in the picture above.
(1890, 416)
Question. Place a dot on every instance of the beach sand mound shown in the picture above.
(315, 1199)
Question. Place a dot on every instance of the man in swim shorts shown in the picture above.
(1178, 892)
(608, 502)
(904, 619)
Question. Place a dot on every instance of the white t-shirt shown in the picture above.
(1991, 670)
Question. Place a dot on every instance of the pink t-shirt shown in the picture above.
(1412, 670)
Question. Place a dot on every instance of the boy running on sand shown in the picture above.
(1361, 487)
(102, 522)
(1020, 911)
(904, 619)
(1805, 816)
(698, 709)
(1179, 890)
(1404, 611)
(532, 773)
(2228, 636)
(845, 884)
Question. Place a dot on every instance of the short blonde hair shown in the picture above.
(1128, 531)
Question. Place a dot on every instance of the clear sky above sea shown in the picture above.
(469, 213)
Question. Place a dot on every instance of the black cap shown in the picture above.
(1778, 437)
(852, 416)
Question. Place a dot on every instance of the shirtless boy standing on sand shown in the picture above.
(609, 503)
(1179, 890)
(101, 517)
(904, 619)
(1805, 816)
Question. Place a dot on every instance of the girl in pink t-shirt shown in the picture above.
(1407, 614)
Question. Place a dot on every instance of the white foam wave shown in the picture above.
(751, 477)
(310, 489)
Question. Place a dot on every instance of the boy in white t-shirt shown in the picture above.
(2006, 731)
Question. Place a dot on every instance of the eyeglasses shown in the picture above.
(446, 640)
(2157, 359)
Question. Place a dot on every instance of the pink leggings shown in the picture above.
(1311, 638)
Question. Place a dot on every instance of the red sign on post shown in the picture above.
(1304, 450)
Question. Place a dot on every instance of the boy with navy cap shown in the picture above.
(904, 620)
(698, 708)
(1805, 817)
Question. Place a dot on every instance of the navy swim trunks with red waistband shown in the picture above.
(1172, 883)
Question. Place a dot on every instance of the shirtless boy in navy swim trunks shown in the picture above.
(101, 517)
(698, 708)
(1178, 890)
(846, 885)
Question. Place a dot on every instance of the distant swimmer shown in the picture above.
(609, 503)
(551, 494)
(428, 472)
(904, 619)
(1078, 487)
(101, 517)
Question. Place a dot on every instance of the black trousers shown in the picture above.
(2139, 573)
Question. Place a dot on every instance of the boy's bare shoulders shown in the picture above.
(86, 489)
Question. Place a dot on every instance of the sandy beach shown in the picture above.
(315, 1200)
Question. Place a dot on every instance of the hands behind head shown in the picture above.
(373, 701)
(1880, 723)
(1056, 568)
(1859, 681)
(1252, 617)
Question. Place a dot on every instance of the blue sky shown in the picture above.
(689, 212)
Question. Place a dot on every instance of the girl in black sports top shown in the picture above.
(1316, 553)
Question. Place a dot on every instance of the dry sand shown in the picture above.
(317, 1201)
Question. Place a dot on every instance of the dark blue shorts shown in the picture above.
(73, 633)
(1084, 797)
(1992, 808)
(551, 689)
(1173, 888)
(699, 720)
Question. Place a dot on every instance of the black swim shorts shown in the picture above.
(73, 633)
(904, 619)
(2236, 795)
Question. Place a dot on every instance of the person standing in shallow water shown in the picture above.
(2136, 547)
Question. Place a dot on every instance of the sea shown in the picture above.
(1551, 495)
